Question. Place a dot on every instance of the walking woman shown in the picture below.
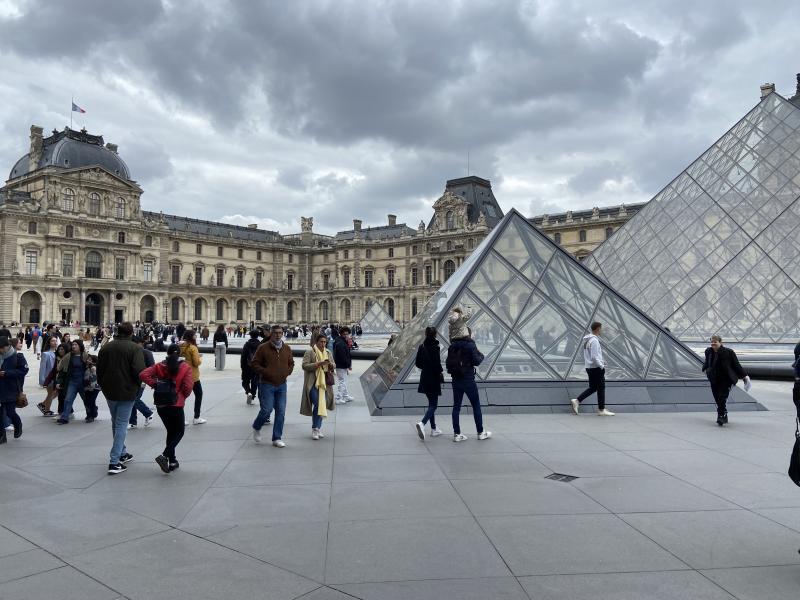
(173, 369)
(723, 371)
(318, 381)
(71, 374)
(47, 367)
(13, 369)
(191, 354)
(429, 362)
(61, 390)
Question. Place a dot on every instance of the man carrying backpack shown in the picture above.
(462, 358)
(249, 377)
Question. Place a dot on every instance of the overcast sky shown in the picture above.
(266, 111)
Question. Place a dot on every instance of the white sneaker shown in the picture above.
(257, 436)
(148, 420)
(349, 398)
(279, 444)
(341, 401)
(131, 426)
(484, 435)
(186, 423)
(436, 432)
(420, 430)
(605, 413)
(576, 406)
(199, 421)
(320, 434)
(459, 437)
(314, 434)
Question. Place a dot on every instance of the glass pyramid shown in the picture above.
(530, 304)
(377, 320)
(717, 250)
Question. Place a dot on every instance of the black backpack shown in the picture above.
(165, 392)
(456, 363)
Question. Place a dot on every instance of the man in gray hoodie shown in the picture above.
(596, 370)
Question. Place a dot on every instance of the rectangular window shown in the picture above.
(414, 276)
(291, 258)
(390, 277)
(414, 249)
(198, 275)
(241, 253)
(219, 250)
(326, 258)
(428, 274)
(391, 252)
(148, 270)
(176, 274)
(326, 280)
(290, 281)
(239, 279)
(119, 269)
(368, 279)
(258, 255)
(199, 248)
(259, 280)
(346, 278)
(220, 275)
(345, 254)
(31, 256)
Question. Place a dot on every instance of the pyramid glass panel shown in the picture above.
(737, 234)
(517, 362)
(377, 320)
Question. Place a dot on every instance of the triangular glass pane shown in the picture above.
(490, 278)
(565, 282)
(376, 320)
(489, 336)
(627, 334)
(672, 362)
(528, 254)
(552, 335)
(508, 304)
(515, 362)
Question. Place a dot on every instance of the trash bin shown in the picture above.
(219, 357)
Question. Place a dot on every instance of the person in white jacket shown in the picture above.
(596, 370)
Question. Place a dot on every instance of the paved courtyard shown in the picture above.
(665, 506)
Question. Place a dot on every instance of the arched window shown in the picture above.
(94, 204)
(449, 246)
(449, 269)
(582, 235)
(68, 199)
(69, 231)
(198, 309)
(121, 237)
(290, 311)
(346, 309)
(557, 238)
(323, 310)
(388, 306)
(148, 241)
(94, 263)
(609, 232)
(220, 316)
(176, 309)
(119, 208)
(449, 220)
(413, 307)
(240, 308)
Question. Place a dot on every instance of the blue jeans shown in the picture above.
(468, 387)
(316, 420)
(271, 397)
(73, 390)
(120, 413)
(140, 405)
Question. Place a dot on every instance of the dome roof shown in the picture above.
(73, 149)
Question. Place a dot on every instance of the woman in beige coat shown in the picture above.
(317, 363)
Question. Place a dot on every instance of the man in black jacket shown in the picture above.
(462, 358)
(344, 364)
(249, 377)
(723, 371)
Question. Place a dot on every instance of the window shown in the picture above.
(240, 253)
(94, 204)
(368, 279)
(121, 237)
(240, 308)
(345, 254)
(290, 311)
(93, 264)
(582, 235)
(176, 246)
(414, 249)
(67, 264)
(198, 309)
(326, 280)
(198, 275)
(323, 310)
(119, 208)
(220, 276)
(346, 278)
(325, 258)
(220, 316)
(239, 279)
(31, 257)
(176, 309)
(427, 247)
(148, 270)
(346, 309)
(470, 243)
(69, 231)
(258, 311)
(148, 241)
(450, 221)
(290, 281)
(369, 253)
(119, 269)
(449, 245)
(291, 258)
(389, 307)
(391, 252)
(449, 269)
(68, 200)
(32, 228)
(258, 255)
(609, 232)
(219, 250)
(198, 249)
(557, 238)
(414, 276)
(176, 274)
(259, 280)
(390, 277)
(428, 274)
(413, 307)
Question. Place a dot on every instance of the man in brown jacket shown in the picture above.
(273, 363)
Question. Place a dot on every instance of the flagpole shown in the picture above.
(70, 112)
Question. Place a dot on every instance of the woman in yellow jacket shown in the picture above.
(318, 369)
(190, 352)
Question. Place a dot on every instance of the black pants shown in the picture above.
(430, 414)
(62, 395)
(90, 403)
(796, 396)
(250, 383)
(198, 398)
(173, 419)
(720, 391)
(10, 411)
(597, 383)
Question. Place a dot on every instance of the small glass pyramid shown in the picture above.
(377, 320)
(717, 250)
(530, 305)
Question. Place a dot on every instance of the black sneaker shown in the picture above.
(173, 466)
(725, 418)
(18, 433)
(720, 420)
(48, 413)
(89, 419)
(41, 407)
(163, 462)
(118, 468)
(126, 458)
(62, 421)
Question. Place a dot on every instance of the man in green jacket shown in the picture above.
(118, 366)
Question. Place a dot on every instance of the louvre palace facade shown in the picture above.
(77, 246)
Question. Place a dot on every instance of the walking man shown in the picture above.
(462, 358)
(118, 366)
(344, 364)
(139, 404)
(249, 377)
(723, 371)
(273, 363)
(596, 370)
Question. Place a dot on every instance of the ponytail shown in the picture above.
(173, 359)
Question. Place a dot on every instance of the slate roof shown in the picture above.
(217, 230)
(383, 232)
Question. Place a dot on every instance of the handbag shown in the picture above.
(329, 380)
(22, 400)
(794, 461)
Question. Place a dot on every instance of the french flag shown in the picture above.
(76, 108)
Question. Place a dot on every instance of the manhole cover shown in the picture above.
(561, 477)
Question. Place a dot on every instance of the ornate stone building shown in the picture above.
(76, 246)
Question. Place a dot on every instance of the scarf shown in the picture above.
(277, 345)
(321, 355)
(11, 352)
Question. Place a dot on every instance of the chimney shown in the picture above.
(357, 225)
(253, 226)
(767, 89)
(392, 219)
(112, 147)
(35, 152)
(797, 90)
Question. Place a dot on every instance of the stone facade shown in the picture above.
(76, 246)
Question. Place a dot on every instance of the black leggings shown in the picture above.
(198, 398)
(796, 396)
(173, 419)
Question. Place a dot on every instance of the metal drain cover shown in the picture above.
(561, 477)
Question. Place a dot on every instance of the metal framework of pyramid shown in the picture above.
(530, 304)
(718, 249)
(377, 320)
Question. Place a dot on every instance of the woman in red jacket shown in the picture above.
(174, 368)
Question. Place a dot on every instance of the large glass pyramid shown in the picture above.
(718, 249)
(530, 304)
(377, 320)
